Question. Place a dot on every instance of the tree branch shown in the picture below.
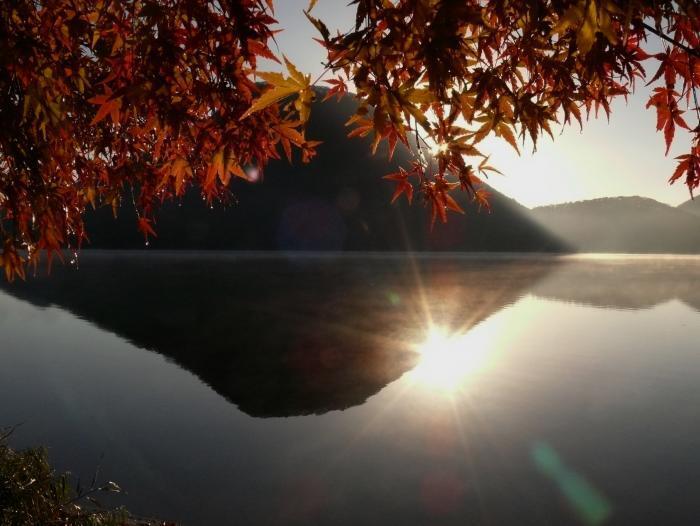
(689, 50)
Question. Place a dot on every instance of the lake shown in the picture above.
(364, 389)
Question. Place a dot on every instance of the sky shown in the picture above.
(607, 159)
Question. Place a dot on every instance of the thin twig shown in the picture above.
(667, 38)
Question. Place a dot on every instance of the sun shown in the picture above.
(449, 360)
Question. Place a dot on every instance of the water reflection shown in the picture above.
(625, 282)
(447, 360)
(532, 400)
(283, 337)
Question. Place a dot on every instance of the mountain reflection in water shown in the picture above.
(516, 406)
(281, 337)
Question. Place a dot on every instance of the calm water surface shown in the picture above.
(225, 389)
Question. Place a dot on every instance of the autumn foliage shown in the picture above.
(105, 100)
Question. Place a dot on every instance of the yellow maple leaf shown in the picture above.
(282, 87)
(585, 36)
(588, 18)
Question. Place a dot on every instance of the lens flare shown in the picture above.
(449, 360)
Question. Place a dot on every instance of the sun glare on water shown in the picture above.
(449, 360)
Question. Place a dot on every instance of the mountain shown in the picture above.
(692, 206)
(338, 202)
(622, 224)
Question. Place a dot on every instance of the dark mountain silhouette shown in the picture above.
(278, 336)
(337, 202)
(691, 206)
(622, 224)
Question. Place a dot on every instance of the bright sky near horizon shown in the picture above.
(622, 157)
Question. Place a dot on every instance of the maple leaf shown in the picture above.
(179, 169)
(281, 88)
(688, 165)
(233, 168)
(109, 105)
(144, 225)
(668, 115)
(483, 199)
(588, 18)
(339, 89)
(223, 164)
(436, 194)
(467, 179)
(261, 49)
(320, 27)
(483, 167)
(216, 169)
(504, 131)
(289, 135)
(12, 263)
(403, 186)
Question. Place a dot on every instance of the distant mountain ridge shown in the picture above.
(691, 206)
(623, 224)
